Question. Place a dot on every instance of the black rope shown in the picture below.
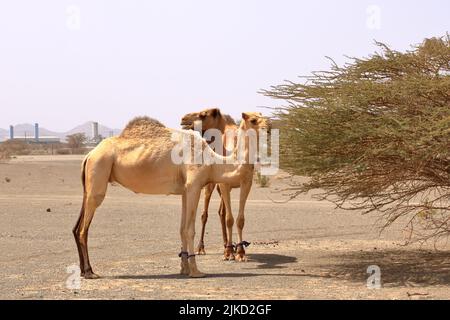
(243, 244)
(183, 253)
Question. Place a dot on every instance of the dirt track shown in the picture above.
(303, 249)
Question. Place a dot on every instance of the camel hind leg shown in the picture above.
(209, 189)
(92, 203)
(97, 173)
(75, 231)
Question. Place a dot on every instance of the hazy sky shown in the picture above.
(66, 62)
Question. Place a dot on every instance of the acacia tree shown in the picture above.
(374, 135)
(76, 141)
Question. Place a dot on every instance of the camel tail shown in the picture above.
(83, 173)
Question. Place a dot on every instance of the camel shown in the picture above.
(214, 119)
(141, 160)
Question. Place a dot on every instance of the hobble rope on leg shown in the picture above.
(243, 244)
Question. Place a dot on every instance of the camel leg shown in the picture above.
(184, 252)
(209, 189)
(245, 190)
(229, 220)
(97, 175)
(222, 214)
(192, 198)
(92, 203)
(76, 230)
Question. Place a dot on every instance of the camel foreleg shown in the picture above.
(225, 191)
(192, 198)
(184, 253)
(240, 221)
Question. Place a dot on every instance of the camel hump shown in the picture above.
(142, 126)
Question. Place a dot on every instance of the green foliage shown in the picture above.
(76, 143)
(76, 140)
(261, 180)
(374, 134)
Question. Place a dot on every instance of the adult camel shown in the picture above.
(214, 119)
(141, 159)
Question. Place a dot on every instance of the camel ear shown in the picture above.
(245, 116)
(215, 112)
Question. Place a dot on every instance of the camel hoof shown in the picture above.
(241, 258)
(184, 271)
(197, 274)
(184, 268)
(201, 251)
(91, 275)
(229, 257)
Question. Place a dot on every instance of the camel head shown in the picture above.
(255, 121)
(210, 118)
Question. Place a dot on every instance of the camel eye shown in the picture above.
(254, 121)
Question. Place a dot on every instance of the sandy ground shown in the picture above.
(303, 249)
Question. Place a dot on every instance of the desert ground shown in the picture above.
(302, 249)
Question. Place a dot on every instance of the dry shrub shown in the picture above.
(261, 180)
(16, 148)
(374, 135)
(63, 151)
(4, 155)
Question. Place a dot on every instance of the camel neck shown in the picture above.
(246, 148)
(223, 125)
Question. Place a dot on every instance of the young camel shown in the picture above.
(141, 160)
(214, 119)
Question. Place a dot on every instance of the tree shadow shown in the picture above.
(271, 261)
(398, 267)
(181, 277)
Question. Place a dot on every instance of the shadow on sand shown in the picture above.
(271, 261)
(265, 261)
(398, 267)
(181, 277)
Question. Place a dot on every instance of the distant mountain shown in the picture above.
(26, 129)
(3, 133)
(86, 128)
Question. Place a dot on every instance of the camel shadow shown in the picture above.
(265, 261)
(398, 267)
(271, 261)
(181, 277)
